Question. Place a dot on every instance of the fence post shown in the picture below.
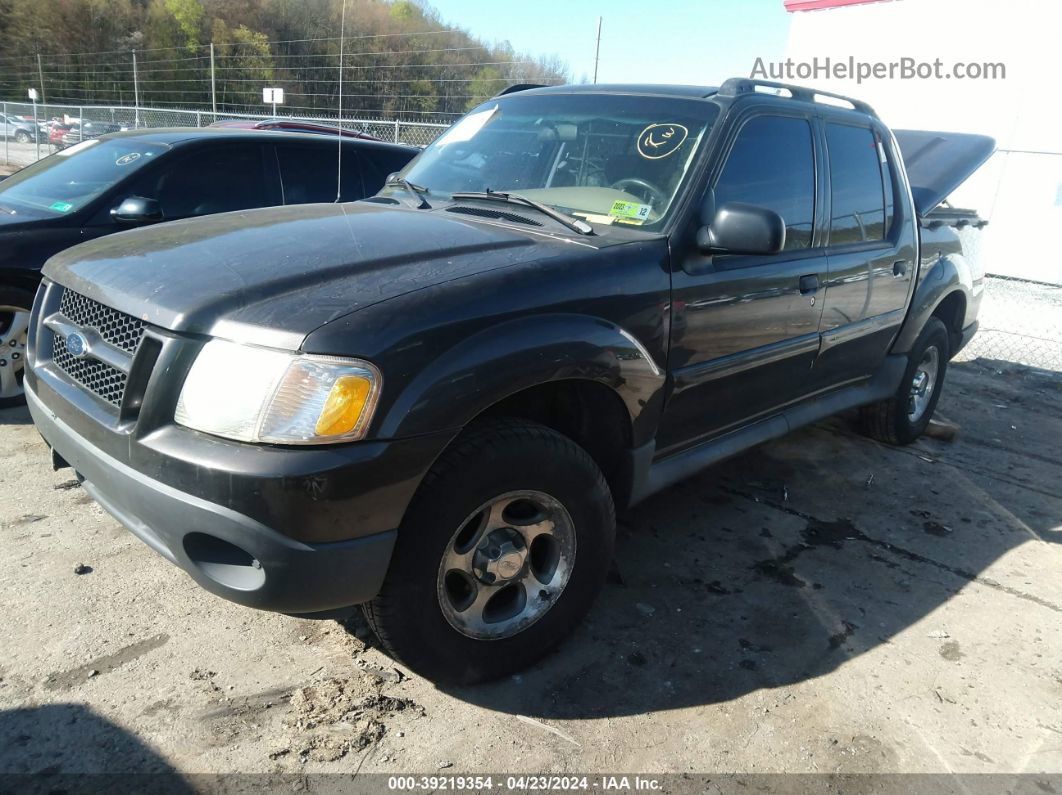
(40, 75)
(136, 96)
(213, 85)
(198, 119)
(36, 130)
(7, 139)
(80, 125)
(396, 131)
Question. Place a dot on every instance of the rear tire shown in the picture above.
(15, 305)
(22, 137)
(500, 555)
(903, 418)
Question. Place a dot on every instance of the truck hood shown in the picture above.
(272, 276)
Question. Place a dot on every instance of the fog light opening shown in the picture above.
(224, 562)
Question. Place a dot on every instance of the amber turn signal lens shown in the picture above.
(344, 405)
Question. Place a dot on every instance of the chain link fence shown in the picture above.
(100, 119)
(1021, 322)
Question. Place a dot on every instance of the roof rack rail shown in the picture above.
(736, 86)
(519, 87)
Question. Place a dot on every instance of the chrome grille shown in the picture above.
(119, 329)
(116, 328)
(95, 376)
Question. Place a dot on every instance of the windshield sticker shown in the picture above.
(660, 140)
(467, 128)
(630, 212)
(61, 207)
(594, 218)
(125, 160)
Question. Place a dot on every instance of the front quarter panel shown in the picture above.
(452, 350)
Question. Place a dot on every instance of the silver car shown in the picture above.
(22, 131)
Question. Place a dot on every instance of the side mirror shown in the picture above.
(137, 210)
(739, 228)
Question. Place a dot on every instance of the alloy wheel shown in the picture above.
(14, 332)
(506, 565)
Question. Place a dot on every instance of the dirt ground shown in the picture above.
(820, 604)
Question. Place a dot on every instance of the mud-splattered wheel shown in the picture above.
(902, 418)
(500, 555)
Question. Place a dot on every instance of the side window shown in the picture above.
(210, 180)
(772, 165)
(309, 173)
(856, 185)
(378, 164)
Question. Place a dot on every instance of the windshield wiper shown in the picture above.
(582, 227)
(416, 191)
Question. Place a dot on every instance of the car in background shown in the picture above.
(291, 125)
(79, 131)
(19, 130)
(129, 179)
(56, 130)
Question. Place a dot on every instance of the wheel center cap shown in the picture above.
(501, 557)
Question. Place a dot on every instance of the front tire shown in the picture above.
(500, 555)
(903, 418)
(15, 305)
(22, 137)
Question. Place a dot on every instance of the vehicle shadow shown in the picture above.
(777, 566)
(69, 748)
(19, 415)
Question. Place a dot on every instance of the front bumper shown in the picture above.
(227, 552)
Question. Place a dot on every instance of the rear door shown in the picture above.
(871, 253)
(745, 329)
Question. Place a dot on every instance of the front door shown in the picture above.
(745, 329)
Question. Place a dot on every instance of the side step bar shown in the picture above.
(650, 476)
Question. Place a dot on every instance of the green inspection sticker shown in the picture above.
(629, 212)
(61, 207)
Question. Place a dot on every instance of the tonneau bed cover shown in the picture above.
(939, 162)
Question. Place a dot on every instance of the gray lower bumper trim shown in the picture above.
(205, 539)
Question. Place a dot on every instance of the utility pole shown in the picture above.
(213, 85)
(597, 50)
(40, 75)
(136, 95)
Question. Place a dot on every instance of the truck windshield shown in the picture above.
(70, 179)
(609, 158)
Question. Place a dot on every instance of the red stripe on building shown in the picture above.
(815, 5)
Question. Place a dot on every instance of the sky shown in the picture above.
(700, 42)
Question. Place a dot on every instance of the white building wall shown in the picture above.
(1020, 190)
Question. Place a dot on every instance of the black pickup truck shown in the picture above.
(431, 402)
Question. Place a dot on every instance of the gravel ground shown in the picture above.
(820, 604)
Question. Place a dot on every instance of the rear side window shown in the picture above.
(856, 183)
(309, 174)
(772, 165)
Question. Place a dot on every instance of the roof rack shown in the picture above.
(736, 86)
(519, 87)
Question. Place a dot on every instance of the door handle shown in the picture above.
(899, 268)
(809, 283)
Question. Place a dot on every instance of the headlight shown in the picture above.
(261, 395)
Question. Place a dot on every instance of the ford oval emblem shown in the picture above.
(76, 345)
